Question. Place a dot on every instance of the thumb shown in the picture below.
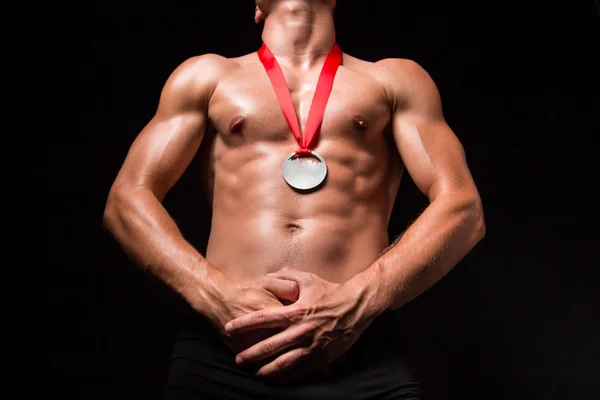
(303, 278)
(286, 272)
(282, 288)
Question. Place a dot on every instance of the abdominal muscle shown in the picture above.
(260, 224)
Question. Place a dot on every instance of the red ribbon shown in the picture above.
(317, 109)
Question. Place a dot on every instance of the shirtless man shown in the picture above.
(298, 277)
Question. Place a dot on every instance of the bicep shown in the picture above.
(433, 156)
(431, 152)
(162, 151)
(165, 147)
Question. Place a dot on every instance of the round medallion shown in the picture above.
(304, 172)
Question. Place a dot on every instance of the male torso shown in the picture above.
(261, 224)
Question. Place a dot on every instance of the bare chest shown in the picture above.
(244, 108)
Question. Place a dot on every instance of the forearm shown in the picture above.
(442, 235)
(147, 233)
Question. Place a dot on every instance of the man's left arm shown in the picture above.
(453, 222)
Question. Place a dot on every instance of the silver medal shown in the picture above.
(304, 172)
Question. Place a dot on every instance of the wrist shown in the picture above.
(370, 286)
(203, 288)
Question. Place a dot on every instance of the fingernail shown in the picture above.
(228, 326)
(238, 359)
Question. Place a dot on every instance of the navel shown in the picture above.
(360, 122)
(236, 124)
(293, 227)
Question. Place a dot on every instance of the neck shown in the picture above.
(299, 31)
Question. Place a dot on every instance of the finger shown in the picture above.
(285, 362)
(274, 317)
(291, 274)
(293, 336)
(283, 288)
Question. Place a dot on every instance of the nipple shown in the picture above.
(360, 122)
(236, 124)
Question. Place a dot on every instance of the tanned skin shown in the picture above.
(330, 276)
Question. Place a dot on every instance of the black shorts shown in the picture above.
(375, 367)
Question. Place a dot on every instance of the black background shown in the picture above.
(516, 319)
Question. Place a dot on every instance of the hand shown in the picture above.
(319, 327)
(234, 299)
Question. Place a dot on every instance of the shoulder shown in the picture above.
(399, 65)
(402, 72)
(388, 67)
(394, 76)
(405, 81)
(200, 70)
(197, 77)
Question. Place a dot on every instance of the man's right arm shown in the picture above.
(156, 160)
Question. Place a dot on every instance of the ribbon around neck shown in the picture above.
(309, 139)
